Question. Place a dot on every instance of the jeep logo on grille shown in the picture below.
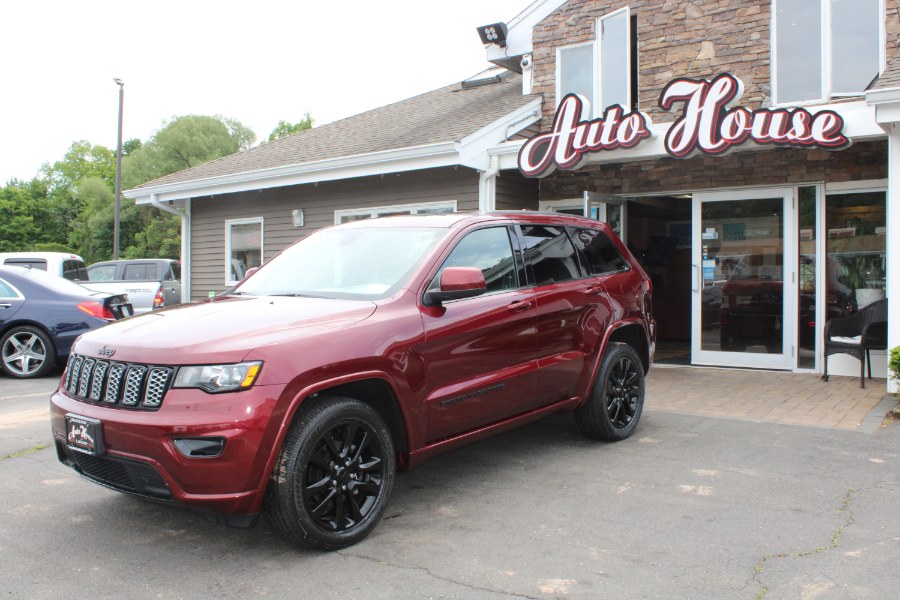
(107, 352)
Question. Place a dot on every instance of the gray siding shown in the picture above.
(515, 192)
(318, 201)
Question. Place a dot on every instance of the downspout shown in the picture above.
(487, 186)
(185, 216)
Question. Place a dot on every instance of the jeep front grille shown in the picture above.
(122, 384)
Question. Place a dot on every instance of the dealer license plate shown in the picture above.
(84, 434)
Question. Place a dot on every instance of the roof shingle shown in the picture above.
(447, 114)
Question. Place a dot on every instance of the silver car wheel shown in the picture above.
(24, 353)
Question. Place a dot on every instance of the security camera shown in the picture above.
(526, 62)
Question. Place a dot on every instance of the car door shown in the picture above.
(479, 353)
(171, 284)
(11, 300)
(573, 309)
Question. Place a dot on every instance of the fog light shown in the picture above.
(206, 447)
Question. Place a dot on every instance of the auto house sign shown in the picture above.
(709, 123)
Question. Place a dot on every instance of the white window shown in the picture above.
(826, 48)
(358, 214)
(600, 71)
(243, 247)
(575, 72)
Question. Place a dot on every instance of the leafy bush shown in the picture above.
(894, 363)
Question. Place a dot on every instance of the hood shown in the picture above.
(221, 331)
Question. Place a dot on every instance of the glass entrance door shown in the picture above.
(742, 291)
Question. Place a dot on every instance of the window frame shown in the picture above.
(826, 91)
(374, 211)
(262, 243)
(515, 244)
(597, 107)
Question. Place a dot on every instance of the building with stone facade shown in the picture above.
(745, 150)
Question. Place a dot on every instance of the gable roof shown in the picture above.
(456, 122)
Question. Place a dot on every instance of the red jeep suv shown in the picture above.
(360, 350)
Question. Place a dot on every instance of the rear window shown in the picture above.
(34, 263)
(139, 272)
(102, 273)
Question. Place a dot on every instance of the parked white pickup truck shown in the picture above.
(150, 283)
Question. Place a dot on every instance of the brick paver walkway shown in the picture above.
(790, 398)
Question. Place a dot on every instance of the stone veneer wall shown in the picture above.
(693, 38)
(782, 166)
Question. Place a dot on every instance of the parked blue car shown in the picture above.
(41, 315)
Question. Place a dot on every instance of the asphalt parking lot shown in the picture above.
(690, 507)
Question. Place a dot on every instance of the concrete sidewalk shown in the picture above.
(769, 396)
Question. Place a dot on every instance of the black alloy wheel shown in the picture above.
(617, 400)
(334, 474)
(343, 477)
(622, 392)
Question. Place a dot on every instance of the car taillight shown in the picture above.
(96, 309)
(160, 300)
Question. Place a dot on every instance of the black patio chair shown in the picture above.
(856, 335)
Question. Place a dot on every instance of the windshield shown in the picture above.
(364, 264)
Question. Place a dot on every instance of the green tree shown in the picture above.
(240, 133)
(184, 142)
(284, 128)
(17, 227)
(82, 160)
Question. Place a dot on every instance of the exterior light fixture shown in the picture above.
(495, 33)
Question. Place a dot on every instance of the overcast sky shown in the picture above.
(257, 61)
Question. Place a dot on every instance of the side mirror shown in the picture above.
(249, 272)
(457, 283)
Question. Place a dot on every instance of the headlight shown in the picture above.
(218, 378)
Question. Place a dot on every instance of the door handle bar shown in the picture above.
(695, 276)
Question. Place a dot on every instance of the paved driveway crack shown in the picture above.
(849, 519)
(430, 573)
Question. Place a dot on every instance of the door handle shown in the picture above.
(594, 290)
(519, 305)
(5, 305)
(695, 276)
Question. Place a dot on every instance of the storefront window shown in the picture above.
(243, 247)
(856, 249)
(812, 61)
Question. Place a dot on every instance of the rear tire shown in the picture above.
(617, 398)
(26, 352)
(334, 475)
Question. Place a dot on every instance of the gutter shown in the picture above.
(487, 186)
(185, 216)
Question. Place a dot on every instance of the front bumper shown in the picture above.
(139, 455)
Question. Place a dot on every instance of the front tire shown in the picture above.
(617, 398)
(26, 352)
(334, 475)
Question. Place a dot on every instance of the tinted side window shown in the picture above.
(550, 254)
(489, 250)
(602, 256)
(175, 272)
(74, 270)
